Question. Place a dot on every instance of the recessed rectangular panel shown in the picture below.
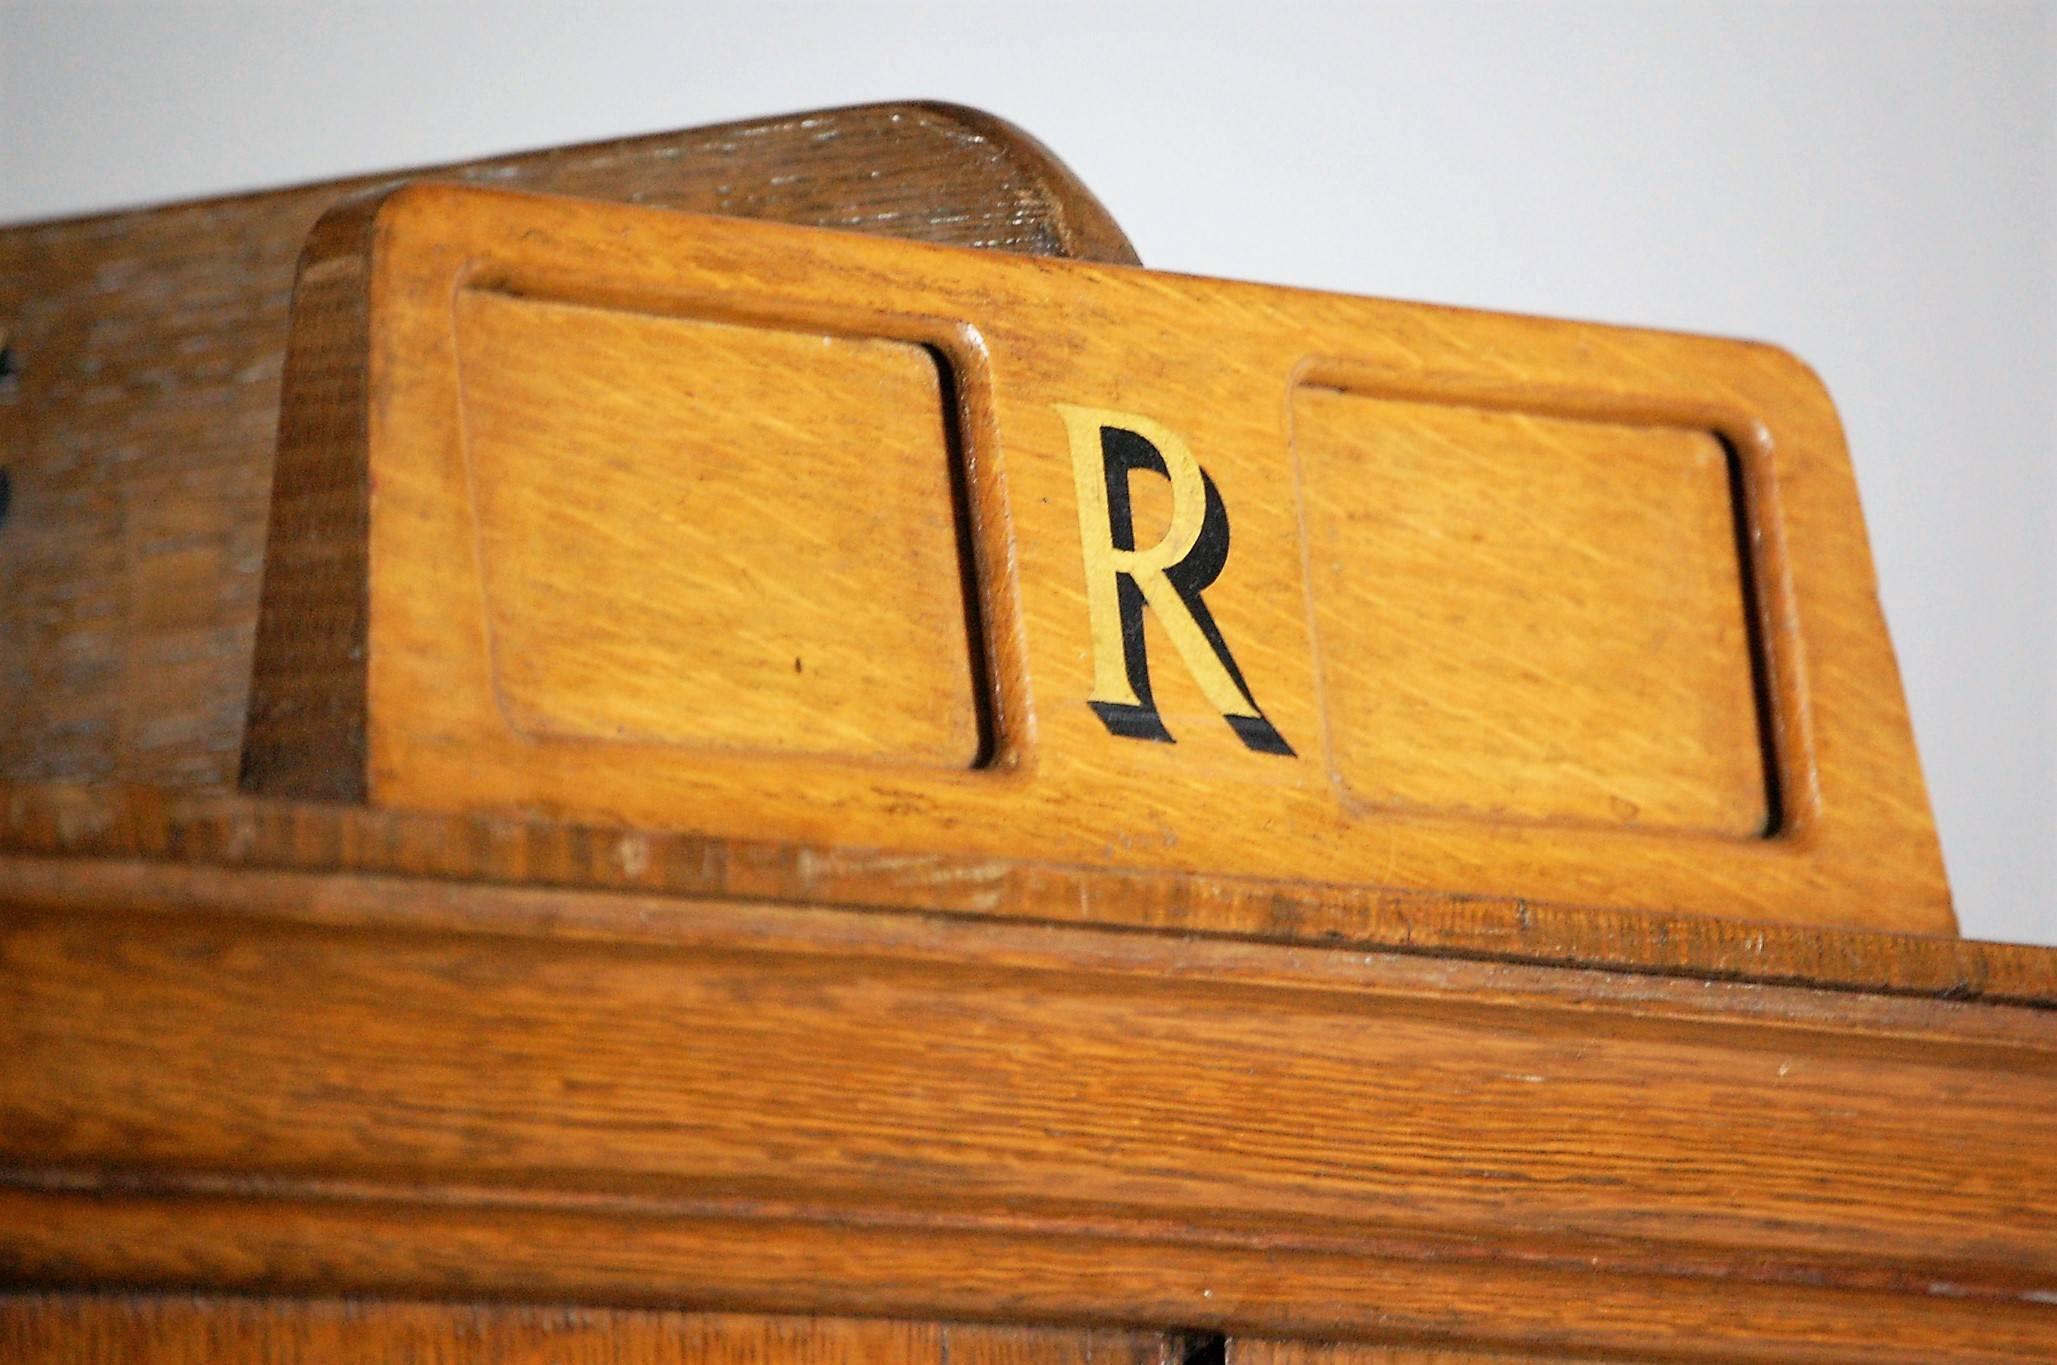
(1529, 617)
(701, 534)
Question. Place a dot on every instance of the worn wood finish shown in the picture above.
(116, 1329)
(1511, 607)
(407, 1088)
(1257, 1351)
(138, 432)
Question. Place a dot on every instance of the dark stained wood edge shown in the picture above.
(1085, 229)
(304, 736)
(148, 842)
(1079, 223)
(447, 1183)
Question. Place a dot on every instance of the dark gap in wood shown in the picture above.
(985, 698)
(1753, 625)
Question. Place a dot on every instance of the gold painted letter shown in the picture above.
(1168, 577)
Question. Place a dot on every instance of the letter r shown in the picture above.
(1168, 577)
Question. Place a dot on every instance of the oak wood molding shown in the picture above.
(421, 1088)
(1261, 1352)
(138, 428)
(130, 1329)
(199, 844)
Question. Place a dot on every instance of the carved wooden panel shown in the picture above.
(673, 523)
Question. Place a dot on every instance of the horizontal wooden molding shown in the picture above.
(881, 1112)
(99, 846)
(139, 1329)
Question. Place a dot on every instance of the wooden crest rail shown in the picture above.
(671, 522)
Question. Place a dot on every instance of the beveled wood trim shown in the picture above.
(1423, 1296)
(93, 837)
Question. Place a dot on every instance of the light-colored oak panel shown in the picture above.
(1529, 616)
(683, 541)
(1166, 692)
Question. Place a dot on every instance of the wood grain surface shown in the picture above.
(84, 845)
(138, 430)
(1530, 617)
(1510, 607)
(1256, 1351)
(408, 1089)
(663, 577)
(281, 1048)
(117, 1329)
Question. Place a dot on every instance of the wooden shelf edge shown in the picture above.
(391, 1086)
(90, 843)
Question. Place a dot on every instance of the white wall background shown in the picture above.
(1873, 185)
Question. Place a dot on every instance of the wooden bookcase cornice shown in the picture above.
(297, 1080)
